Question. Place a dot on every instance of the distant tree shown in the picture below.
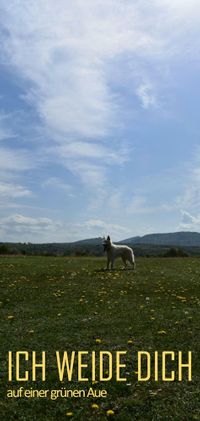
(175, 252)
(4, 249)
(80, 253)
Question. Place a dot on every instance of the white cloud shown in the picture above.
(89, 161)
(189, 198)
(15, 160)
(67, 58)
(41, 229)
(56, 183)
(21, 220)
(8, 190)
(99, 224)
(91, 174)
(147, 96)
(182, 8)
(189, 222)
(5, 129)
(64, 52)
(91, 150)
(138, 205)
(97, 228)
(28, 229)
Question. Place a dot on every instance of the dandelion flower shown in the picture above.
(69, 414)
(95, 406)
(153, 392)
(181, 298)
(110, 412)
(98, 341)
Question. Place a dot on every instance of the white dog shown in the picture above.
(113, 251)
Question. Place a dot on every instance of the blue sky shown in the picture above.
(99, 118)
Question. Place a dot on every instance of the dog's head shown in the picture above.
(106, 243)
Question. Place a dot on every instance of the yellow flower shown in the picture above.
(181, 298)
(130, 342)
(10, 317)
(153, 392)
(110, 412)
(69, 414)
(98, 341)
(95, 406)
(162, 332)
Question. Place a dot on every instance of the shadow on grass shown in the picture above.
(114, 270)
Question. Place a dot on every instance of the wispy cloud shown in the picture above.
(92, 224)
(91, 174)
(49, 230)
(189, 222)
(28, 228)
(90, 161)
(15, 160)
(97, 228)
(56, 183)
(189, 199)
(147, 96)
(91, 150)
(8, 190)
(64, 54)
(5, 129)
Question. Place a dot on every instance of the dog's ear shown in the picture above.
(108, 238)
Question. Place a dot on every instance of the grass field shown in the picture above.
(55, 303)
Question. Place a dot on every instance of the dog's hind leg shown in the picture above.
(112, 263)
(132, 261)
(124, 261)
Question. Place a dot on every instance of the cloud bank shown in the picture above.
(84, 71)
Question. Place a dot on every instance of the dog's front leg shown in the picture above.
(108, 263)
(112, 263)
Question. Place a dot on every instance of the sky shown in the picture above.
(99, 118)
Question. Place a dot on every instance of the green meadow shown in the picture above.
(71, 304)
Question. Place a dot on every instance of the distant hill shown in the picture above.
(147, 245)
(180, 239)
(88, 241)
